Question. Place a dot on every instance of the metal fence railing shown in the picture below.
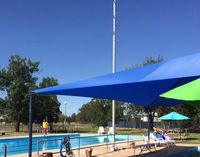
(107, 140)
(78, 143)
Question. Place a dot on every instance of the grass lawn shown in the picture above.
(193, 138)
(133, 132)
(14, 134)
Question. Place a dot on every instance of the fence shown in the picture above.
(55, 127)
(78, 143)
(104, 140)
(142, 125)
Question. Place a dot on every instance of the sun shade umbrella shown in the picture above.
(173, 116)
(140, 86)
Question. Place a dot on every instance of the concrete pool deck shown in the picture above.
(104, 151)
(124, 151)
(35, 154)
(127, 152)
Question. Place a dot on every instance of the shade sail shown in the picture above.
(141, 85)
(173, 116)
(187, 92)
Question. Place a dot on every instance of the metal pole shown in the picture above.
(114, 67)
(114, 38)
(128, 140)
(107, 143)
(30, 126)
(65, 116)
(38, 148)
(79, 143)
(65, 109)
(148, 125)
(5, 150)
(65, 122)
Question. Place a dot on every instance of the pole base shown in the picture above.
(113, 148)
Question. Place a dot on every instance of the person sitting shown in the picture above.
(167, 137)
(67, 145)
(157, 130)
(159, 133)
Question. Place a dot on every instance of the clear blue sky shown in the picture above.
(73, 38)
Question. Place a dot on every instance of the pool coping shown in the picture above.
(11, 137)
(75, 148)
(56, 151)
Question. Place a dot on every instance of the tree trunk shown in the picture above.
(51, 126)
(17, 124)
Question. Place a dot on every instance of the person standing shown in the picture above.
(44, 127)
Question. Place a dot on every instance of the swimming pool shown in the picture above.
(20, 145)
(190, 152)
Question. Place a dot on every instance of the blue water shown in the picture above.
(20, 145)
(190, 152)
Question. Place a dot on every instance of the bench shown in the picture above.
(144, 147)
(2, 132)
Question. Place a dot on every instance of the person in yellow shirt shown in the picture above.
(44, 126)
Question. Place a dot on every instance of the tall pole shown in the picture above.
(65, 109)
(114, 66)
(30, 126)
(65, 113)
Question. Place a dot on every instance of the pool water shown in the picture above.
(20, 145)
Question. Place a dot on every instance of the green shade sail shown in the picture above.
(173, 116)
(187, 92)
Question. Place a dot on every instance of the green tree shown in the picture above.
(17, 79)
(134, 109)
(147, 61)
(46, 105)
(99, 111)
(73, 117)
(2, 106)
(187, 109)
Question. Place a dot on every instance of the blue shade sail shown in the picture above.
(140, 86)
(173, 116)
(186, 92)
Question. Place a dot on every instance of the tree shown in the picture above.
(147, 61)
(17, 79)
(73, 117)
(134, 109)
(99, 111)
(2, 106)
(46, 105)
(188, 109)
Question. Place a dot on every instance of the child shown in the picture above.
(67, 145)
(44, 127)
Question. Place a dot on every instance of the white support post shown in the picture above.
(114, 67)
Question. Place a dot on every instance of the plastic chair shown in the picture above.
(111, 131)
(101, 130)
